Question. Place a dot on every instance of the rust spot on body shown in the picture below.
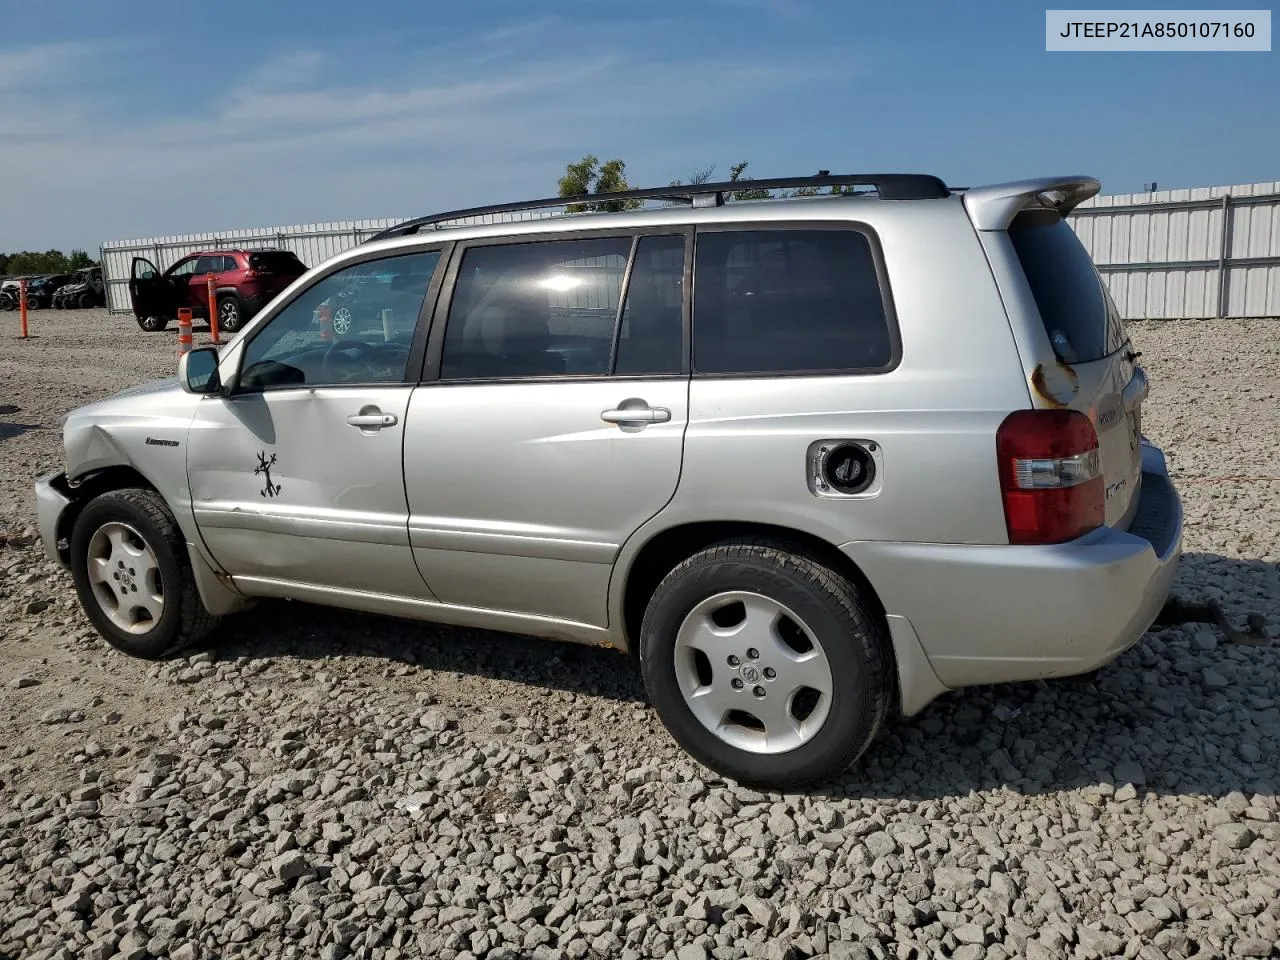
(1057, 385)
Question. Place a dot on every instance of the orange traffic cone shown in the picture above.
(184, 331)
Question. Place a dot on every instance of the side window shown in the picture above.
(788, 301)
(650, 338)
(228, 264)
(535, 309)
(185, 269)
(208, 265)
(353, 326)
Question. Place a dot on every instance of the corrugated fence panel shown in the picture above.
(1161, 254)
(1200, 252)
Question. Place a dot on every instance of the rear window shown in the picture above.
(276, 261)
(1079, 316)
(788, 301)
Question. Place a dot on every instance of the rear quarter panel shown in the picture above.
(934, 416)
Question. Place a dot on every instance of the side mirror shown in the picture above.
(198, 370)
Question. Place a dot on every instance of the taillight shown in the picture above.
(1050, 475)
(251, 274)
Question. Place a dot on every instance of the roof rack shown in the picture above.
(888, 186)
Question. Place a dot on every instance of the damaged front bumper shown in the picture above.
(52, 498)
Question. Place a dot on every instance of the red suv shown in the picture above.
(244, 282)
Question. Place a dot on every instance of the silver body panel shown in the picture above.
(335, 514)
(520, 496)
(514, 506)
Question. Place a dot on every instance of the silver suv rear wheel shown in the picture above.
(766, 665)
(753, 672)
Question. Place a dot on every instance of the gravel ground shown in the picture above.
(324, 784)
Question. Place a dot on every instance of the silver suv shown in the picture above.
(810, 459)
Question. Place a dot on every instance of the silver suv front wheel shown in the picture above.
(766, 665)
(133, 576)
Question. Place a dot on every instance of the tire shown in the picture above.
(230, 314)
(815, 737)
(153, 324)
(85, 301)
(133, 530)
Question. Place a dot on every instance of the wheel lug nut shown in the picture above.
(736, 683)
(758, 691)
(733, 661)
(769, 673)
(753, 653)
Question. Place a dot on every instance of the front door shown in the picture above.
(552, 423)
(296, 477)
(150, 294)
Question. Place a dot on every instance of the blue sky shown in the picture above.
(140, 117)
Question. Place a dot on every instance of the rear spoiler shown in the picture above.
(995, 206)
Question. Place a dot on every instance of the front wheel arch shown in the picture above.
(88, 487)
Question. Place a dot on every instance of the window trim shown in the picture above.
(882, 278)
(435, 346)
(417, 345)
(172, 272)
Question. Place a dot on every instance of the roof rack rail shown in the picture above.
(889, 186)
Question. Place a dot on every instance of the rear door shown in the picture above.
(150, 294)
(1091, 367)
(551, 423)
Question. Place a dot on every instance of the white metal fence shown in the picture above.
(1200, 252)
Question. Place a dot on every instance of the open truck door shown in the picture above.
(151, 295)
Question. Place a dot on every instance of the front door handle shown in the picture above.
(631, 415)
(372, 421)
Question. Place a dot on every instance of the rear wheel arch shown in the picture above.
(667, 549)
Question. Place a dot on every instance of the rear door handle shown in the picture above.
(637, 415)
(371, 421)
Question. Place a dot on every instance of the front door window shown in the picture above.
(353, 326)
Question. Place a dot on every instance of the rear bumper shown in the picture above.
(51, 501)
(998, 614)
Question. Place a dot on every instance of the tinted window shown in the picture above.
(650, 338)
(209, 264)
(276, 261)
(535, 309)
(229, 263)
(787, 301)
(353, 326)
(1081, 320)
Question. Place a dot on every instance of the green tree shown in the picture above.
(79, 260)
(588, 176)
(31, 262)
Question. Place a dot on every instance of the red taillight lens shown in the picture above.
(1050, 475)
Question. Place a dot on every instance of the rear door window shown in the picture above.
(779, 301)
(538, 309)
(276, 261)
(1079, 316)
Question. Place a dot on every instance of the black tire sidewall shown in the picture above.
(161, 638)
(851, 721)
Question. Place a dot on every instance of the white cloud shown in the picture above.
(301, 138)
